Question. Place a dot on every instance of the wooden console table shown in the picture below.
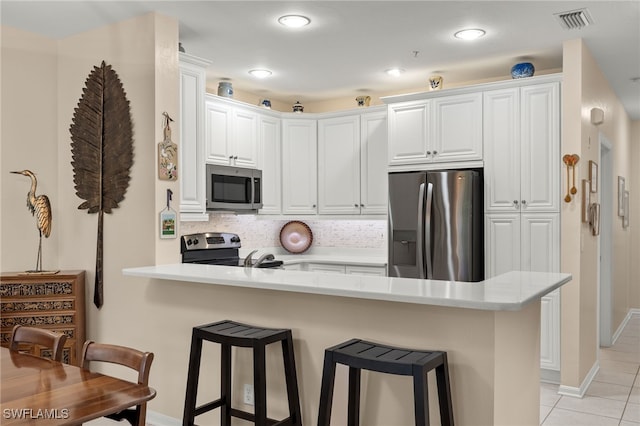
(52, 301)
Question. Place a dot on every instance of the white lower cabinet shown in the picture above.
(529, 242)
(336, 268)
(378, 271)
(326, 268)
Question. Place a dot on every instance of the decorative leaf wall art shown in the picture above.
(102, 152)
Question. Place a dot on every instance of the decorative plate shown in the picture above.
(296, 237)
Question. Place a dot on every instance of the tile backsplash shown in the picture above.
(257, 231)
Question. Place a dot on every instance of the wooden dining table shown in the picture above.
(40, 392)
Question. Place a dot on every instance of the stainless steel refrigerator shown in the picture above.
(436, 225)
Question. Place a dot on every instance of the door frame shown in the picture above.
(605, 243)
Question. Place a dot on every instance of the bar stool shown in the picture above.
(358, 354)
(227, 334)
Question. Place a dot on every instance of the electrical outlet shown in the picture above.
(248, 394)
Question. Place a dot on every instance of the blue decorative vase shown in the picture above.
(523, 69)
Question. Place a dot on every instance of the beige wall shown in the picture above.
(29, 125)
(42, 83)
(585, 87)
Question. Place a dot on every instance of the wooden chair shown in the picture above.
(128, 357)
(38, 336)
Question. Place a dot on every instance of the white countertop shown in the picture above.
(507, 292)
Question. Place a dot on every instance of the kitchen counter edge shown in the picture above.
(507, 292)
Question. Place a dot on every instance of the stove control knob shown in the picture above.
(189, 242)
(195, 242)
(235, 239)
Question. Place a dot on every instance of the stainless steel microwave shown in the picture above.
(231, 188)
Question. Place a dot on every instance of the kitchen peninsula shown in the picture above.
(490, 330)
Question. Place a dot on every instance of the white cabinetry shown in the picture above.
(373, 163)
(339, 165)
(522, 150)
(437, 130)
(529, 242)
(270, 163)
(522, 191)
(333, 268)
(326, 268)
(352, 172)
(522, 242)
(192, 132)
(232, 133)
(377, 271)
(299, 166)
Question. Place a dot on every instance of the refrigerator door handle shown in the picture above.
(427, 231)
(420, 233)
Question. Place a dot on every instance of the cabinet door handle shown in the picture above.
(524, 202)
(428, 152)
(515, 203)
(355, 205)
(235, 157)
(435, 152)
(361, 205)
(314, 206)
(231, 157)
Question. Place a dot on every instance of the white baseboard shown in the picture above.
(579, 392)
(550, 376)
(156, 419)
(631, 313)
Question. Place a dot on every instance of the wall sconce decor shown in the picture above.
(570, 160)
(597, 116)
(593, 175)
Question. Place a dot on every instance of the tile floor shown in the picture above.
(613, 398)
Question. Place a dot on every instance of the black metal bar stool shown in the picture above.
(228, 334)
(358, 354)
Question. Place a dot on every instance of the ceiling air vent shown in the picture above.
(574, 19)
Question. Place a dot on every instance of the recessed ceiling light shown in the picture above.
(260, 73)
(470, 34)
(395, 72)
(294, 21)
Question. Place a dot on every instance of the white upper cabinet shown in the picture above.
(270, 163)
(457, 128)
(438, 130)
(191, 169)
(232, 133)
(374, 183)
(299, 166)
(408, 125)
(339, 165)
(522, 149)
(352, 164)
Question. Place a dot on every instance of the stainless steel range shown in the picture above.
(220, 248)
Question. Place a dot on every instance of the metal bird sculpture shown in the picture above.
(40, 207)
